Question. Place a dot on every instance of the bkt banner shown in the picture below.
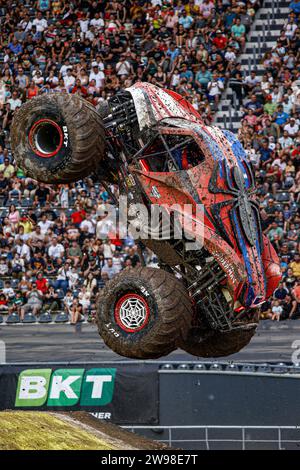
(65, 387)
(124, 394)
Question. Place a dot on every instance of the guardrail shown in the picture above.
(207, 440)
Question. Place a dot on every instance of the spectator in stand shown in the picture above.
(215, 88)
(76, 311)
(51, 302)
(62, 281)
(34, 302)
(276, 310)
(41, 283)
(56, 250)
(3, 304)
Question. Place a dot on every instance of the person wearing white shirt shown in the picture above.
(97, 22)
(287, 105)
(44, 224)
(118, 260)
(55, 250)
(40, 23)
(88, 224)
(276, 95)
(100, 64)
(279, 163)
(285, 141)
(123, 67)
(14, 101)
(69, 80)
(108, 249)
(290, 29)
(104, 227)
(215, 87)
(3, 267)
(292, 128)
(84, 298)
(109, 268)
(26, 24)
(24, 252)
(84, 24)
(52, 81)
(73, 277)
(97, 75)
(230, 55)
(8, 291)
(252, 80)
(175, 79)
(90, 34)
(65, 67)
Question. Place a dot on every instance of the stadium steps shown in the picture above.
(271, 18)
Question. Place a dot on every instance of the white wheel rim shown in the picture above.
(132, 313)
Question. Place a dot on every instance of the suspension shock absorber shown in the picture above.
(118, 113)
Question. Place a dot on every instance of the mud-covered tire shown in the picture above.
(212, 343)
(165, 313)
(57, 138)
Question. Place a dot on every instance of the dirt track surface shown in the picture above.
(34, 430)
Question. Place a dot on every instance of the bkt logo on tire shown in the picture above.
(66, 136)
(65, 387)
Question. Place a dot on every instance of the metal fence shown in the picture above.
(212, 437)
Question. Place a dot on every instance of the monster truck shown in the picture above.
(154, 145)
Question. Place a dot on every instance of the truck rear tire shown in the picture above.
(212, 343)
(143, 313)
(58, 138)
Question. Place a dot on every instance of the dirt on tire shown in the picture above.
(170, 313)
(70, 120)
(212, 343)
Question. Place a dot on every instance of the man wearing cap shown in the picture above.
(269, 106)
(292, 128)
(220, 40)
(27, 225)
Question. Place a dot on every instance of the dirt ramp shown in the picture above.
(35, 430)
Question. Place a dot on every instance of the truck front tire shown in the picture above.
(143, 313)
(57, 138)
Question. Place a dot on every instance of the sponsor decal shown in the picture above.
(66, 136)
(65, 387)
(155, 193)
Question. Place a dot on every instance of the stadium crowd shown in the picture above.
(270, 132)
(55, 246)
